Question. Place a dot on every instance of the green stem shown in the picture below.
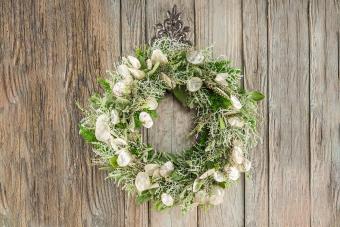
(153, 70)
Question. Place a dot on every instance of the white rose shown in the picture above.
(236, 122)
(146, 119)
(221, 79)
(124, 158)
(114, 117)
(195, 57)
(233, 173)
(167, 199)
(102, 131)
(158, 56)
(194, 84)
(235, 102)
(134, 62)
(216, 195)
(138, 74)
(166, 169)
(237, 154)
(121, 88)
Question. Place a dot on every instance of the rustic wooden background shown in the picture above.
(51, 53)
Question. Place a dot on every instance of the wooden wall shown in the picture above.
(51, 53)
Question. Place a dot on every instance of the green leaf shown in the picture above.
(221, 121)
(105, 85)
(87, 134)
(255, 95)
(113, 161)
(181, 95)
(143, 197)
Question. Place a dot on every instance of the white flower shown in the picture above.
(114, 117)
(150, 169)
(195, 57)
(124, 158)
(138, 74)
(158, 56)
(102, 131)
(120, 142)
(221, 79)
(246, 165)
(149, 64)
(237, 154)
(201, 197)
(166, 169)
(134, 62)
(151, 103)
(123, 70)
(219, 176)
(235, 102)
(142, 181)
(171, 84)
(194, 84)
(216, 195)
(121, 88)
(236, 122)
(207, 174)
(146, 119)
(167, 199)
(233, 173)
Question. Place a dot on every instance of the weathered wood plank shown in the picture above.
(256, 75)
(133, 35)
(53, 53)
(219, 23)
(289, 193)
(174, 122)
(325, 113)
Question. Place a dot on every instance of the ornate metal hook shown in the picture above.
(172, 27)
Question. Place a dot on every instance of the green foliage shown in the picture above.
(214, 134)
(87, 134)
(255, 95)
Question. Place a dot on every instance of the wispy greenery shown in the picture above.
(214, 134)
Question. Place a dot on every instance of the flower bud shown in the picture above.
(134, 62)
(138, 74)
(235, 102)
(158, 56)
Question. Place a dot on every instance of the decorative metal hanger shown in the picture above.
(172, 27)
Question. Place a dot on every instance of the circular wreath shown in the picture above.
(225, 127)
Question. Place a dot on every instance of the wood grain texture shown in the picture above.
(133, 36)
(174, 123)
(52, 52)
(325, 113)
(255, 55)
(289, 186)
(220, 23)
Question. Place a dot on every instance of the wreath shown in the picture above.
(225, 124)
